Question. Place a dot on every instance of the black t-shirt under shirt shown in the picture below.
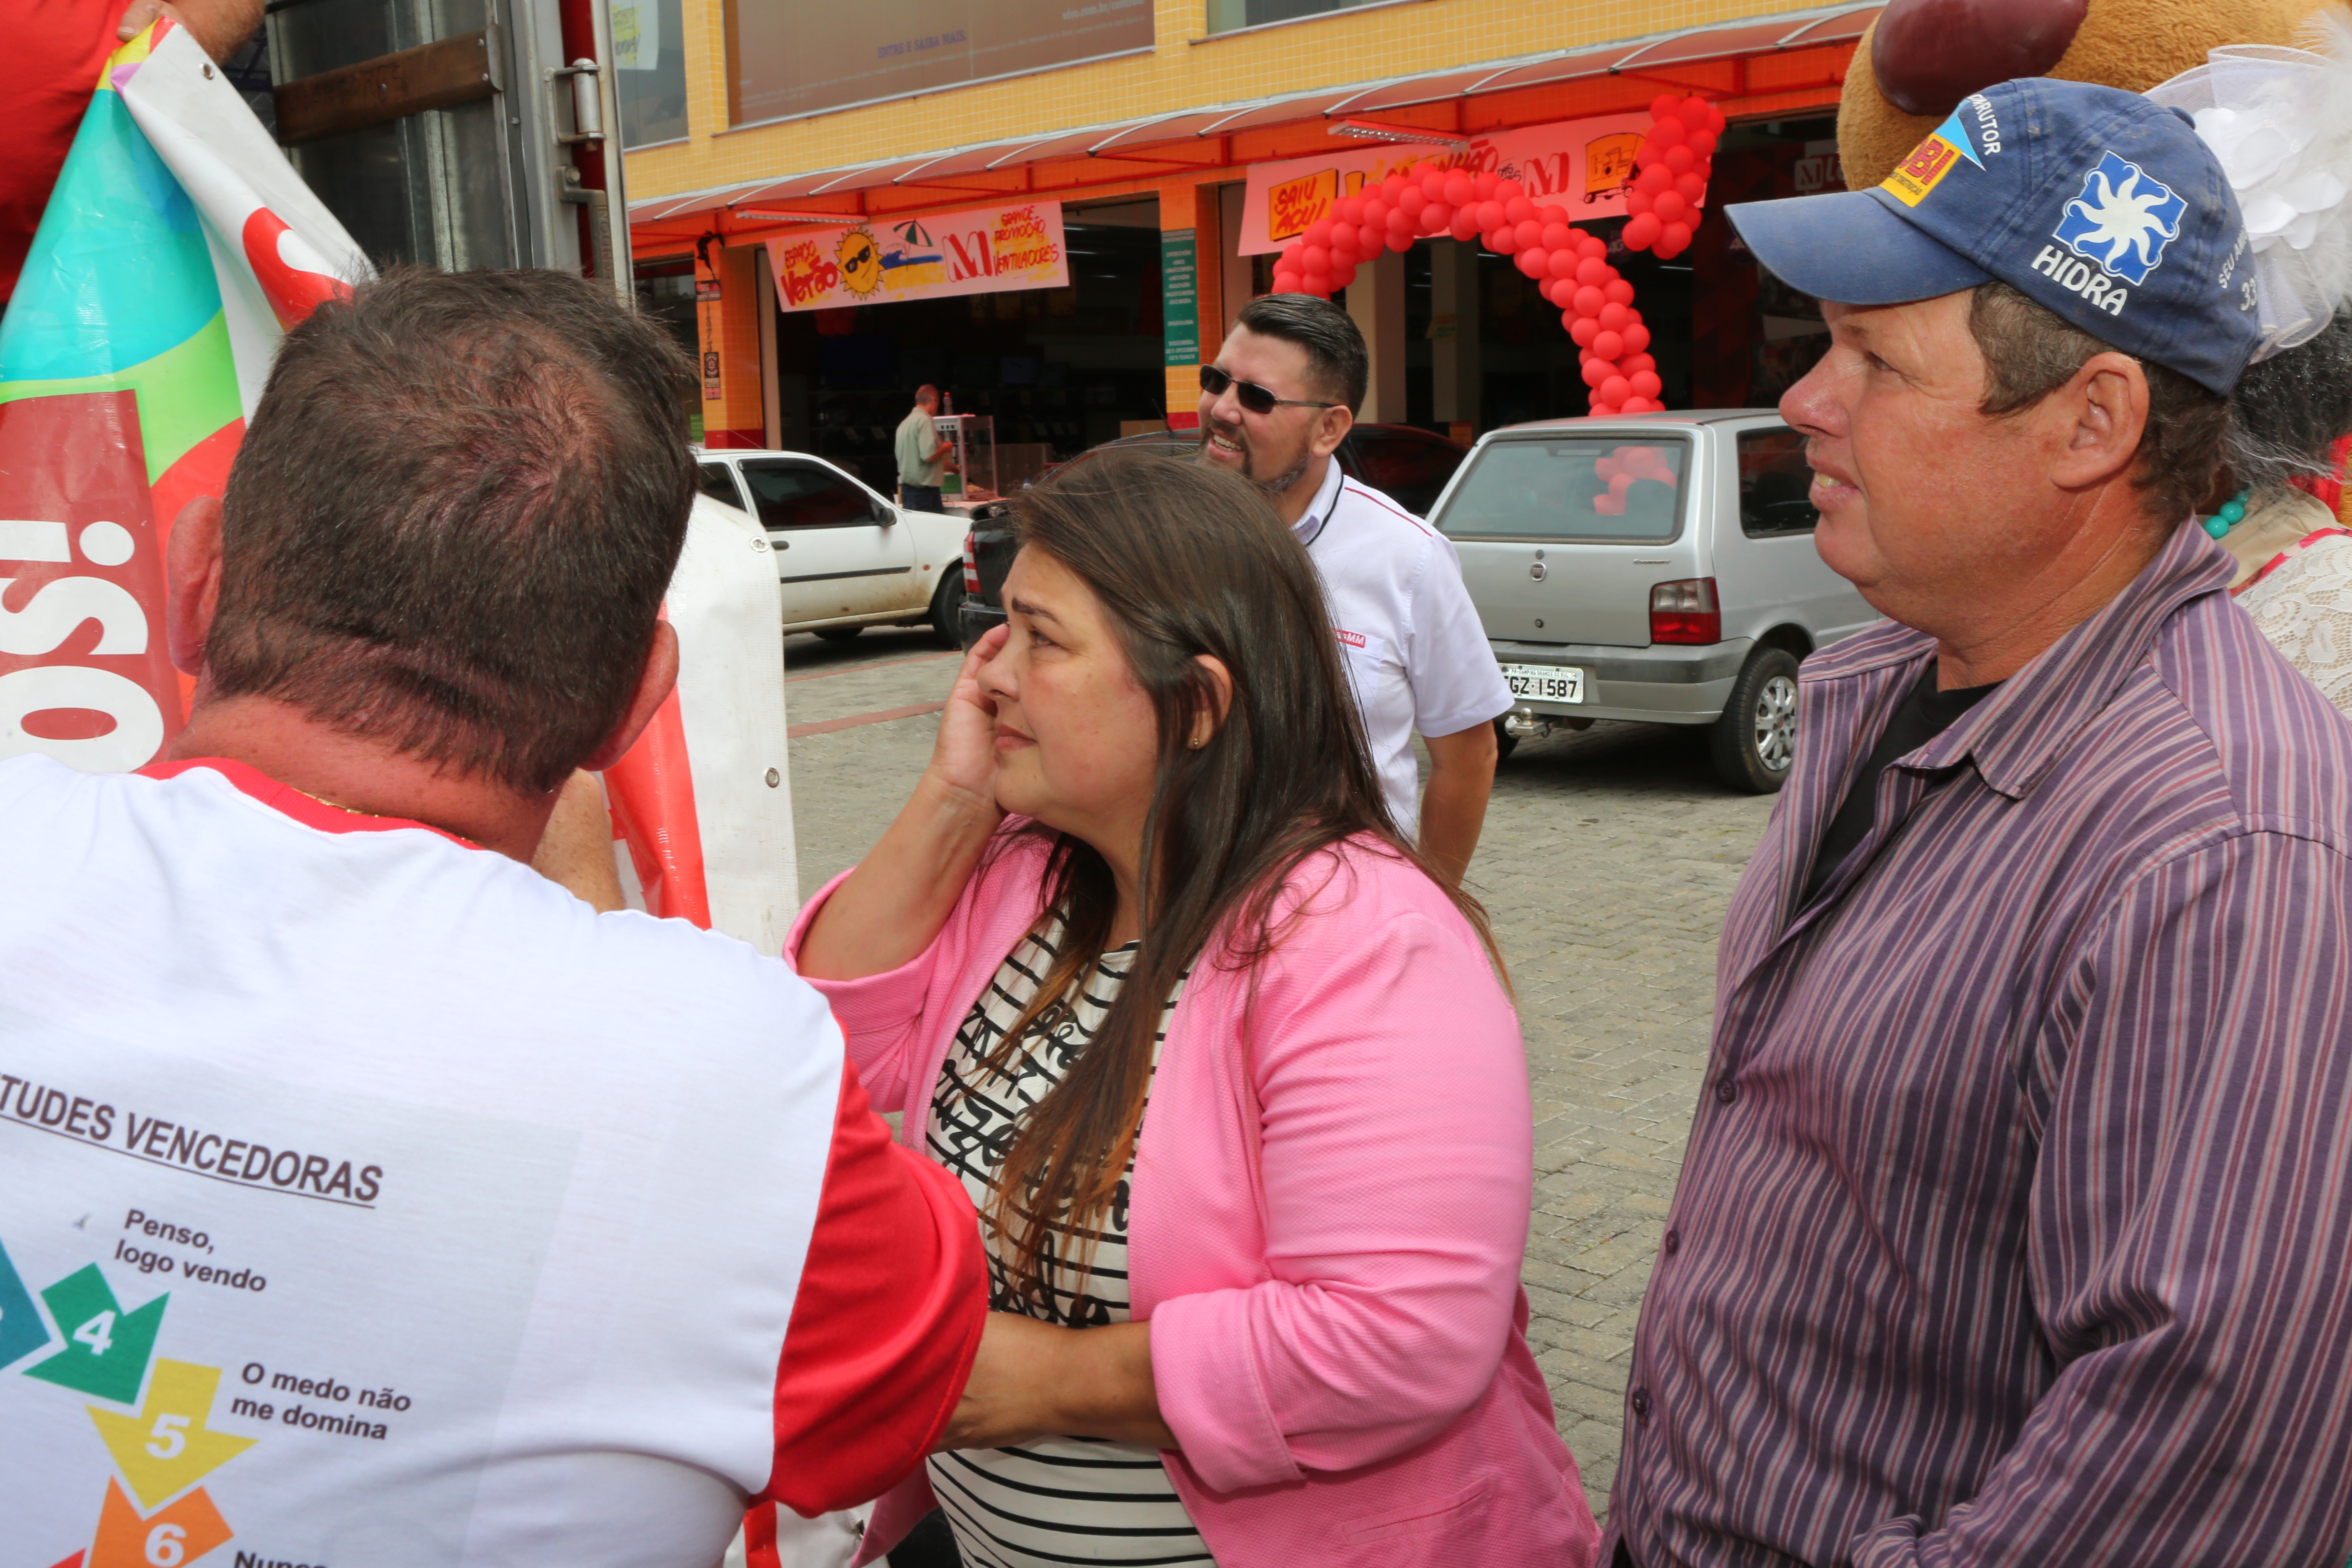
(1922, 715)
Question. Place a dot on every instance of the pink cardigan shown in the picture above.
(1330, 1202)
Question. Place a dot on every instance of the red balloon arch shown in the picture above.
(1596, 304)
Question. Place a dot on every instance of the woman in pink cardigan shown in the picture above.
(1226, 1071)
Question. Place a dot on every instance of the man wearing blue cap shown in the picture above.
(2012, 1224)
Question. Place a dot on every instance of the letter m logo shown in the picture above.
(975, 260)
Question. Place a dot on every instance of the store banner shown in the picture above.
(787, 59)
(984, 250)
(1583, 165)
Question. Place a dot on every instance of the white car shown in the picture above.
(847, 557)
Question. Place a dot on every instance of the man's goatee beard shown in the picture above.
(1272, 487)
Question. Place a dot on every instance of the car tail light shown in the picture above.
(970, 568)
(1686, 612)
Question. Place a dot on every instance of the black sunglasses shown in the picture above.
(1250, 395)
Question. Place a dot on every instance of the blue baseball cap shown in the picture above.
(2094, 202)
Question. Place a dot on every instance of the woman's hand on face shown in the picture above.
(964, 757)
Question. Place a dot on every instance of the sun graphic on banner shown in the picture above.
(2122, 220)
(860, 261)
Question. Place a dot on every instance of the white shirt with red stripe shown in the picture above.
(388, 1207)
(1415, 645)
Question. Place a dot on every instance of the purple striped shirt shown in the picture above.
(2016, 1223)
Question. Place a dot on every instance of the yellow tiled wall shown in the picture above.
(1187, 68)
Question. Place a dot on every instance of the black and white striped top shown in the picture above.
(1056, 1500)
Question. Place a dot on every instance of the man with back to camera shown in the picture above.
(492, 1229)
(1276, 402)
(2011, 1225)
(922, 453)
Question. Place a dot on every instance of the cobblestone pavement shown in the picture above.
(1607, 861)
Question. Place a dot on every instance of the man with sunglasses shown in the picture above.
(1276, 402)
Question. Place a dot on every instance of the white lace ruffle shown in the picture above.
(2304, 608)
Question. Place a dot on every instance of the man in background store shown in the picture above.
(922, 453)
(58, 49)
(1276, 403)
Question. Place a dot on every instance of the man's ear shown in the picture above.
(192, 571)
(2107, 400)
(1331, 427)
(655, 683)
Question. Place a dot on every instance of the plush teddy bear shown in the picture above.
(1922, 56)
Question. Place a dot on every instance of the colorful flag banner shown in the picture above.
(176, 249)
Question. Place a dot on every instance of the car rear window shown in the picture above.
(1775, 485)
(1580, 487)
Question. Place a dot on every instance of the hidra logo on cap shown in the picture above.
(2123, 219)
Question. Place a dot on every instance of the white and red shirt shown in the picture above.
(1415, 645)
(386, 1205)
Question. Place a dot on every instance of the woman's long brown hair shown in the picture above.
(1187, 559)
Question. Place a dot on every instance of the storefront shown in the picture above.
(1165, 225)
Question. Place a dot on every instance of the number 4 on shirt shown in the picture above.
(106, 1348)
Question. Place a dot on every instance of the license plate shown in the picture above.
(1545, 682)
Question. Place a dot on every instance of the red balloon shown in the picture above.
(1637, 201)
(1343, 237)
(1376, 213)
(1694, 111)
(1461, 188)
(1320, 231)
(1519, 209)
(1646, 157)
(1670, 207)
(1316, 283)
(1564, 263)
(1597, 371)
(1557, 235)
(1690, 186)
(1613, 318)
(1550, 288)
(1526, 234)
(1552, 212)
(1607, 346)
(1432, 182)
(1680, 159)
(1701, 144)
(1581, 330)
(1410, 200)
(1400, 240)
(1464, 223)
(1589, 300)
(1617, 291)
(1487, 184)
(1592, 245)
(1674, 240)
(1642, 232)
(1400, 222)
(1645, 384)
(1533, 262)
(1508, 190)
(1314, 260)
(1667, 134)
(1290, 255)
(1352, 210)
(1593, 270)
(1285, 281)
(1392, 187)
(1655, 179)
(1634, 363)
(1344, 276)
(1666, 106)
(1490, 217)
(1500, 241)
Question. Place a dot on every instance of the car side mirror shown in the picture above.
(886, 515)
